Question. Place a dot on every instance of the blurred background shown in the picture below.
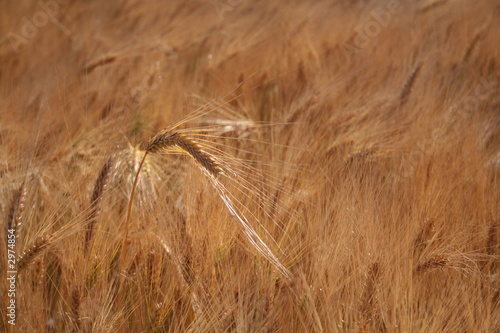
(375, 127)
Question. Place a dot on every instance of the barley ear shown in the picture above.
(99, 62)
(76, 298)
(16, 210)
(425, 237)
(432, 263)
(99, 188)
(174, 141)
(33, 252)
(406, 90)
(472, 45)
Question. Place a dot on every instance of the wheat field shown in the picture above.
(250, 166)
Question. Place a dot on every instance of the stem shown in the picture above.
(127, 223)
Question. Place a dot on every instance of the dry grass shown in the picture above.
(350, 168)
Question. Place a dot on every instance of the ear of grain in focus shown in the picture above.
(250, 166)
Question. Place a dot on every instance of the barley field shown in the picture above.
(250, 166)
